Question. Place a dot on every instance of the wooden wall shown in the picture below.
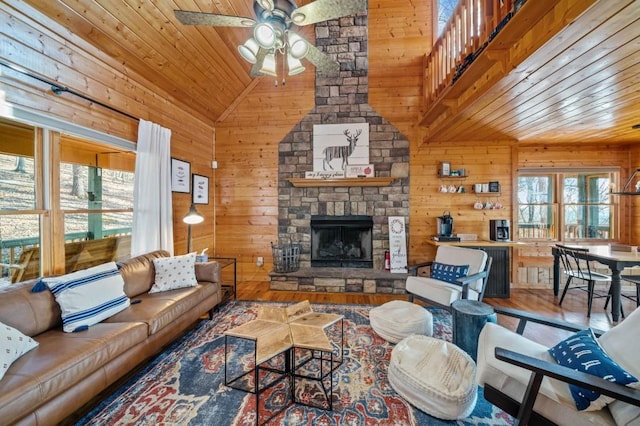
(35, 43)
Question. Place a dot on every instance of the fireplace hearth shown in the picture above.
(342, 241)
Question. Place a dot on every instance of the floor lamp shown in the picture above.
(191, 218)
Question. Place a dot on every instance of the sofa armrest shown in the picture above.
(208, 272)
(526, 317)
(540, 368)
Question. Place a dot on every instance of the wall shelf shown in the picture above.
(372, 181)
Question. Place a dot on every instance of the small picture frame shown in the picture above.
(445, 169)
(180, 176)
(494, 186)
(200, 194)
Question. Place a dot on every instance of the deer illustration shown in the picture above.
(340, 151)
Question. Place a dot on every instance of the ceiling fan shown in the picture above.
(273, 34)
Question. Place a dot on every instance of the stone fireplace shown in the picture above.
(342, 99)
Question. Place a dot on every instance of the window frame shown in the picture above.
(558, 224)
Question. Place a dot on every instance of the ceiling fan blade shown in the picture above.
(323, 10)
(212, 19)
(255, 69)
(322, 62)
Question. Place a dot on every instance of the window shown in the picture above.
(567, 206)
(445, 10)
(93, 200)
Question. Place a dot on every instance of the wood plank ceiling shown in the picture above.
(583, 85)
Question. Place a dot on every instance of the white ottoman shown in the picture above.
(435, 376)
(398, 319)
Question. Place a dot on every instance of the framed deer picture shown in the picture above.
(335, 146)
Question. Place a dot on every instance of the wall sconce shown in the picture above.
(191, 218)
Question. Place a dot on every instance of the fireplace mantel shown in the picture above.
(372, 181)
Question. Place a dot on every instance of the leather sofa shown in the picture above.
(68, 370)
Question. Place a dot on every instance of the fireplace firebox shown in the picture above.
(342, 241)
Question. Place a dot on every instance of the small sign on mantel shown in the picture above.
(336, 174)
(359, 170)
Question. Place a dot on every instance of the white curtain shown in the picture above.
(152, 211)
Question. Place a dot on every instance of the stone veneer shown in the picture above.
(342, 99)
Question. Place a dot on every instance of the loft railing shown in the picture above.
(471, 26)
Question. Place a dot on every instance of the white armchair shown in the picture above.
(444, 289)
(521, 377)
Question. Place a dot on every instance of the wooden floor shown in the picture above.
(543, 302)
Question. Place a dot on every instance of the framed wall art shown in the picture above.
(200, 193)
(180, 176)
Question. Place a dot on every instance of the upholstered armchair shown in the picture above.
(532, 383)
(456, 273)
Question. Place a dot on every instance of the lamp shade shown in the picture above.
(192, 217)
(295, 66)
(249, 50)
(265, 35)
(269, 65)
(298, 47)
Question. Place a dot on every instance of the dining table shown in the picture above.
(616, 257)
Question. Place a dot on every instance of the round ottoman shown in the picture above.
(435, 376)
(398, 319)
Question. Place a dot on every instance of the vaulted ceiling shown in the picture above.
(581, 85)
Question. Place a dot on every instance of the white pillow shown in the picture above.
(174, 272)
(13, 344)
(88, 296)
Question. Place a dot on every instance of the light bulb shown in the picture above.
(265, 35)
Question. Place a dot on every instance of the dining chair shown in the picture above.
(575, 267)
(633, 279)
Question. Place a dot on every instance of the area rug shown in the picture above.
(185, 384)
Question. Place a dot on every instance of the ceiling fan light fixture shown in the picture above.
(269, 65)
(298, 47)
(298, 17)
(265, 35)
(266, 4)
(295, 66)
(249, 50)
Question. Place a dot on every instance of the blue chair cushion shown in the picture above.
(582, 352)
(448, 273)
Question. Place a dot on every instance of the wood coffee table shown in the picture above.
(289, 344)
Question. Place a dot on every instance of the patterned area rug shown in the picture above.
(185, 384)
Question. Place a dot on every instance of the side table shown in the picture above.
(227, 285)
(469, 316)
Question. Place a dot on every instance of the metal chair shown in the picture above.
(575, 267)
(634, 279)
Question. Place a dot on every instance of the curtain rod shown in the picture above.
(58, 90)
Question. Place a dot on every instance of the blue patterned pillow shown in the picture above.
(582, 352)
(88, 296)
(448, 273)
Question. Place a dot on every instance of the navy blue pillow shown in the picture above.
(448, 273)
(582, 352)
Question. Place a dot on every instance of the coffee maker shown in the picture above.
(499, 230)
(445, 225)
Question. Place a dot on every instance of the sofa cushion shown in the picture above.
(59, 362)
(88, 296)
(625, 352)
(582, 352)
(138, 272)
(441, 292)
(174, 272)
(13, 345)
(158, 310)
(448, 273)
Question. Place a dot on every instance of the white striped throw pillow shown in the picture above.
(88, 296)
